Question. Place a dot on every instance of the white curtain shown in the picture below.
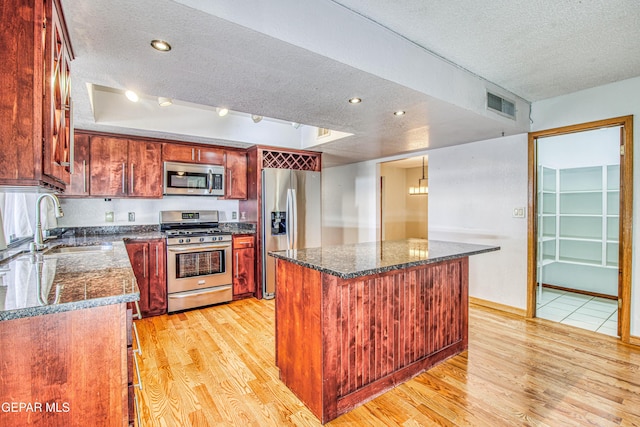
(17, 212)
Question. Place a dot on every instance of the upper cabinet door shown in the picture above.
(57, 112)
(35, 118)
(178, 153)
(236, 170)
(210, 156)
(109, 166)
(192, 154)
(79, 185)
(144, 169)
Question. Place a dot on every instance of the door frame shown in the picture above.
(626, 215)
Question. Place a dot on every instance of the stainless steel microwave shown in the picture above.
(193, 179)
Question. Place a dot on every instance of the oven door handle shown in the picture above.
(197, 248)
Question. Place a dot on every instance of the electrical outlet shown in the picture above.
(234, 215)
(108, 216)
(132, 216)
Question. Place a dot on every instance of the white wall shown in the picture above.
(473, 189)
(350, 203)
(592, 148)
(91, 212)
(603, 102)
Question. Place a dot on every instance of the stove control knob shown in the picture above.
(220, 238)
(202, 239)
(180, 240)
(188, 240)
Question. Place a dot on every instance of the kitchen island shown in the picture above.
(354, 321)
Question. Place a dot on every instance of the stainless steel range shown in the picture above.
(198, 259)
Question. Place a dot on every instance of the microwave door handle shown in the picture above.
(210, 181)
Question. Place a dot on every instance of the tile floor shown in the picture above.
(587, 312)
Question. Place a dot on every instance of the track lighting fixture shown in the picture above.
(164, 102)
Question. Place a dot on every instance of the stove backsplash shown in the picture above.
(228, 227)
(93, 212)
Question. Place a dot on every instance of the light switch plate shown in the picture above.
(108, 216)
(519, 212)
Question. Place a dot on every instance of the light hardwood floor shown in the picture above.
(215, 367)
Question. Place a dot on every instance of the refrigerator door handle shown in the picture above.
(289, 219)
(294, 219)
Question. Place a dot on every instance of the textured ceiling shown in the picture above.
(536, 49)
(216, 62)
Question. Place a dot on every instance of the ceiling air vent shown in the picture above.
(323, 132)
(501, 105)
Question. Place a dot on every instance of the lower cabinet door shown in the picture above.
(243, 275)
(147, 259)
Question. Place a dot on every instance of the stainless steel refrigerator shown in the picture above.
(291, 212)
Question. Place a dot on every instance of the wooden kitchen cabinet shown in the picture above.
(125, 167)
(79, 179)
(192, 154)
(148, 262)
(145, 169)
(244, 283)
(73, 363)
(35, 117)
(236, 179)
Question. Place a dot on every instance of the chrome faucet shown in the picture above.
(38, 243)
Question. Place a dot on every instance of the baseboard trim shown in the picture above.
(634, 340)
(497, 306)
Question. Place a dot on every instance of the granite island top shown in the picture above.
(363, 259)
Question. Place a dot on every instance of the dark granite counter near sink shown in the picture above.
(44, 283)
(75, 280)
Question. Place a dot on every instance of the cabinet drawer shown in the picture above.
(130, 366)
(132, 405)
(129, 325)
(241, 242)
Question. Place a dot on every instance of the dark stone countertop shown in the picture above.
(51, 282)
(72, 281)
(364, 259)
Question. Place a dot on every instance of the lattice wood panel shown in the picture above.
(284, 160)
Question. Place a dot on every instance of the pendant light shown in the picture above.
(422, 188)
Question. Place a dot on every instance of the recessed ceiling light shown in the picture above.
(222, 111)
(256, 118)
(355, 101)
(132, 96)
(399, 113)
(161, 45)
(164, 102)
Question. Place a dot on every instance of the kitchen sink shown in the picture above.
(79, 249)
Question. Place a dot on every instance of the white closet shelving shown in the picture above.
(578, 227)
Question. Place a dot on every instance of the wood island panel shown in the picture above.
(70, 367)
(342, 342)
